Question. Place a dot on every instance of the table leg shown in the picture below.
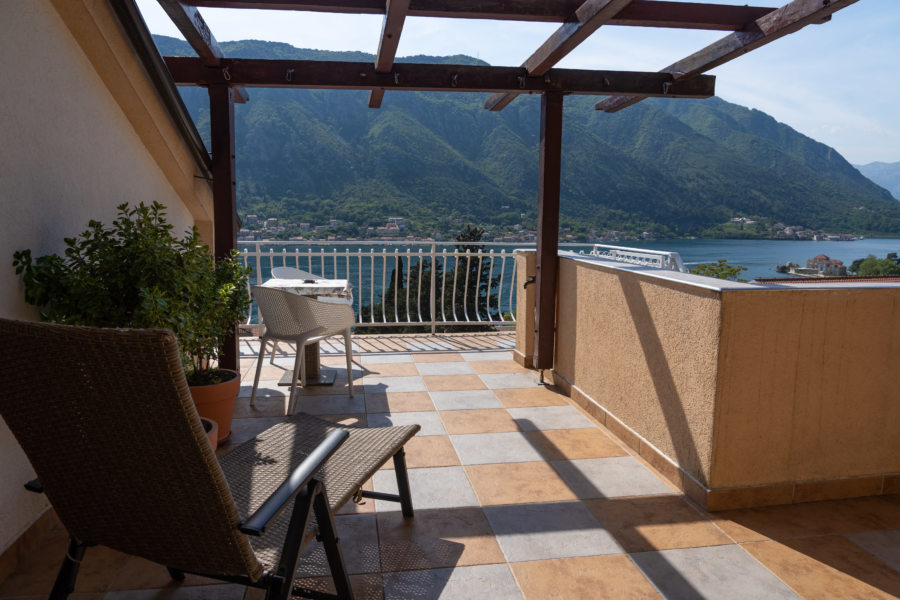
(315, 374)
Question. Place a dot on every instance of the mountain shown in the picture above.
(672, 167)
(887, 175)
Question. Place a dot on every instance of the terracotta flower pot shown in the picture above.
(216, 402)
(212, 432)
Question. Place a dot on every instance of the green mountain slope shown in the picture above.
(667, 166)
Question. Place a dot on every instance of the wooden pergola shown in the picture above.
(227, 80)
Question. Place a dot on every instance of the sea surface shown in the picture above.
(762, 256)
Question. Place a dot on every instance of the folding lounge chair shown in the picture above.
(106, 419)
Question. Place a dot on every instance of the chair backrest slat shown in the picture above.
(106, 418)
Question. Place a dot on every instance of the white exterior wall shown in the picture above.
(68, 154)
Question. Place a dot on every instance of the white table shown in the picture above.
(326, 290)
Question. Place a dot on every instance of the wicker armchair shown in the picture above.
(289, 317)
(106, 419)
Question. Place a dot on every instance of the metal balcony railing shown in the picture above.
(426, 283)
(403, 284)
(640, 256)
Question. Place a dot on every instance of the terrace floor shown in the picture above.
(518, 494)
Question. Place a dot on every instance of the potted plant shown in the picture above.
(135, 273)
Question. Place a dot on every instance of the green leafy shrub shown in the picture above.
(135, 273)
(720, 270)
(872, 266)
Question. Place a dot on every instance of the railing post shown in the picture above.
(432, 313)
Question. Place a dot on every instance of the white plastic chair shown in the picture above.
(301, 320)
(292, 273)
(289, 273)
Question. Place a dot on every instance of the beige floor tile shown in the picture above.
(390, 370)
(428, 451)
(393, 402)
(264, 406)
(367, 505)
(488, 420)
(98, 569)
(421, 357)
(366, 586)
(828, 568)
(572, 444)
(642, 524)
(517, 483)
(139, 574)
(610, 576)
(268, 373)
(811, 519)
(338, 388)
(36, 572)
(339, 360)
(449, 383)
(446, 537)
(525, 397)
(498, 366)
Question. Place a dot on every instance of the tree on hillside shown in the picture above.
(720, 270)
(871, 266)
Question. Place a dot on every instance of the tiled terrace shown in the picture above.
(520, 494)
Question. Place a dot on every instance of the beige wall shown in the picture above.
(646, 351)
(809, 386)
(743, 386)
(526, 266)
(73, 147)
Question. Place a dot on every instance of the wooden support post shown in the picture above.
(548, 228)
(221, 113)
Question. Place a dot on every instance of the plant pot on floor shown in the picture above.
(216, 402)
(212, 432)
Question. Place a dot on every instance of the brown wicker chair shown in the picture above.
(106, 419)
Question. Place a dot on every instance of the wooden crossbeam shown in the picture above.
(193, 27)
(781, 22)
(689, 15)
(644, 13)
(585, 21)
(315, 74)
(394, 16)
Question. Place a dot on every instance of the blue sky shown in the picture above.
(837, 82)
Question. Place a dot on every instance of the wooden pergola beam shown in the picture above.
(391, 28)
(641, 13)
(589, 17)
(195, 30)
(314, 74)
(225, 220)
(689, 15)
(549, 177)
(781, 22)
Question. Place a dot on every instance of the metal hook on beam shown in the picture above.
(226, 75)
(288, 75)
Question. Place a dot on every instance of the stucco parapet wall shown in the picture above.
(759, 393)
(719, 285)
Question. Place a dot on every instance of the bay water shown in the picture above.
(762, 256)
